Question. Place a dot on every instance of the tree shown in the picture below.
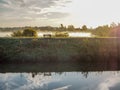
(103, 31)
(71, 27)
(26, 33)
(62, 27)
(17, 34)
(29, 33)
(113, 25)
(84, 28)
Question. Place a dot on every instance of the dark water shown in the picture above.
(82, 76)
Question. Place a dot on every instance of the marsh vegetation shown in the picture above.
(58, 49)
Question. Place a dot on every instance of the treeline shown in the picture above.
(49, 28)
(102, 31)
(112, 30)
(45, 28)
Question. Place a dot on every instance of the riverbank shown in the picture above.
(58, 50)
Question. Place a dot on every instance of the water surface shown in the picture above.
(81, 76)
(109, 80)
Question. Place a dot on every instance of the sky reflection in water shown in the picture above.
(108, 80)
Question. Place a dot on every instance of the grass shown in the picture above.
(37, 50)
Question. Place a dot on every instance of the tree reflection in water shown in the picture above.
(84, 67)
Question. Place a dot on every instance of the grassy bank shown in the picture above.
(21, 50)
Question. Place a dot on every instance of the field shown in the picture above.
(37, 50)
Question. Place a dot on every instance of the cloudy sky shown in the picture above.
(54, 12)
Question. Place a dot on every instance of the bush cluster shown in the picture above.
(25, 33)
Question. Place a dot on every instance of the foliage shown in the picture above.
(61, 34)
(71, 27)
(58, 49)
(62, 27)
(84, 28)
(29, 33)
(115, 31)
(102, 31)
(26, 33)
(17, 34)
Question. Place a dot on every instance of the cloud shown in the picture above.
(108, 83)
(63, 88)
(35, 4)
(18, 10)
(21, 3)
(53, 15)
(25, 81)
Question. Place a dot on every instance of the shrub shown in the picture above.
(26, 33)
(17, 34)
(29, 33)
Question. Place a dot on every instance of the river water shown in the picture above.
(60, 77)
(109, 80)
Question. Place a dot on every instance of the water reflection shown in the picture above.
(23, 81)
(108, 80)
(81, 76)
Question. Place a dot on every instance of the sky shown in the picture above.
(14, 13)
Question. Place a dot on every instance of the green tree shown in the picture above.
(84, 28)
(71, 27)
(17, 34)
(113, 25)
(26, 33)
(29, 32)
(62, 27)
(103, 31)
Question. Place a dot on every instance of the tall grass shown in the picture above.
(58, 49)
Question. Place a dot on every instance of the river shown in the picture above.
(108, 80)
(60, 77)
